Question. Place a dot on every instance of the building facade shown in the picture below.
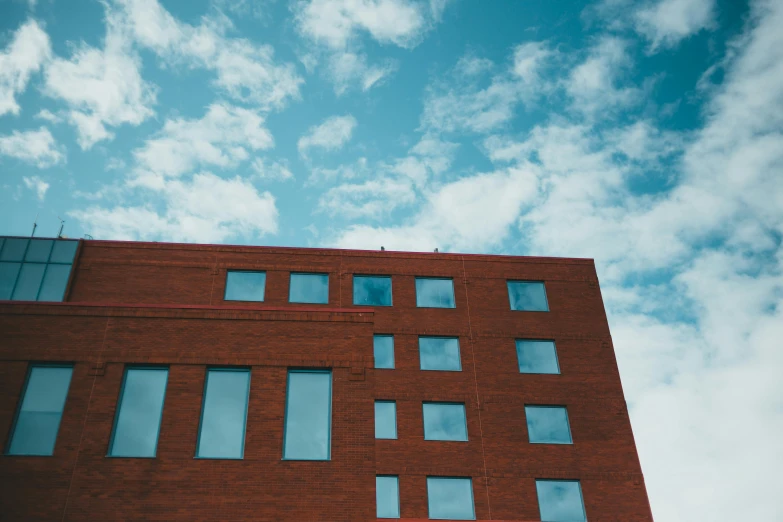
(154, 381)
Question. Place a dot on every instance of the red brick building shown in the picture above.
(175, 382)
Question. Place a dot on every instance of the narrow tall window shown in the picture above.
(527, 296)
(224, 414)
(38, 418)
(537, 356)
(309, 288)
(383, 350)
(560, 501)
(387, 496)
(445, 421)
(308, 415)
(450, 498)
(548, 425)
(385, 420)
(439, 353)
(434, 292)
(245, 286)
(372, 290)
(35, 269)
(139, 412)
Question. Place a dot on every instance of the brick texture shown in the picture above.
(151, 303)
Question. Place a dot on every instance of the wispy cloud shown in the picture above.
(331, 134)
(37, 185)
(28, 50)
(36, 147)
(666, 22)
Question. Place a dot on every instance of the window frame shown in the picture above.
(290, 279)
(237, 369)
(446, 403)
(329, 411)
(396, 432)
(459, 348)
(472, 497)
(443, 278)
(391, 289)
(568, 424)
(581, 496)
(118, 409)
(546, 294)
(554, 345)
(394, 354)
(225, 289)
(12, 431)
(399, 507)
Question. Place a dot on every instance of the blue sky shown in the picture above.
(647, 135)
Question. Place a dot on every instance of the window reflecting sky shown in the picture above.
(537, 356)
(560, 501)
(439, 353)
(548, 424)
(225, 410)
(385, 420)
(309, 288)
(140, 408)
(245, 286)
(387, 497)
(444, 421)
(530, 296)
(434, 293)
(383, 350)
(372, 290)
(308, 415)
(450, 498)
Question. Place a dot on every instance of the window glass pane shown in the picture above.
(560, 501)
(245, 286)
(439, 353)
(450, 498)
(444, 421)
(387, 497)
(8, 273)
(548, 424)
(224, 414)
(38, 421)
(139, 413)
(63, 251)
(308, 415)
(13, 249)
(309, 288)
(528, 296)
(29, 282)
(434, 293)
(54, 282)
(38, 250)
(537, 356)
(372, 290)
(383, 349)
(385, 420)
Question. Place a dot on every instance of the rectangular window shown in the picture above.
(432, 292)
(529, 296)
(383, 349)
(548, 425)
(35, 269)
(445, 421)
(40, 411)
(245, 286)
(224, 414)
(560, 501)
(372, 290)
(440, 353)
(309, 288)
(387, 496)
(450, 498)
(385, 420)
(308, 415)
(537, 356)
(139, 412)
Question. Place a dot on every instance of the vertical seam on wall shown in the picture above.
(212, 287)
(340, 281)
(84, 423)
(475, 383)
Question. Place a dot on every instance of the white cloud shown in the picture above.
(531, 59)
(47, 115)
(28, 50)
(272, 171)
(666, 22)
(103, 87)
(37, 185)
(206, 209)
(331, 134)
(36, 147)
(371, 199)
(245, 71)
(224, 137)
(347, 69)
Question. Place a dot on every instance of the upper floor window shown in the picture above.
(383, 350)
(560, 501)
(35, 269)
(139, 412)
(224, 414)
(372, 290)
(445, 421)
(440, 353)
(529, 296)
(308, 415)
(450, 498)
(435, 292)
(387, 496)
(385, 420)
(309, 288)
(245, 286)
(536, 356)
(38, 417)
(548, 425)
